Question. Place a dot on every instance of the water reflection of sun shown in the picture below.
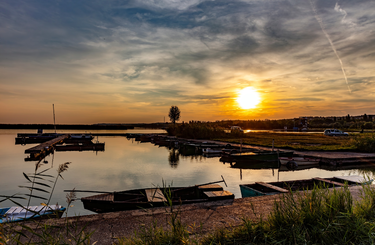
(248, 98)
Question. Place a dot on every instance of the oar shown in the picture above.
(214, 182)
(88, 191)
(203, 184)
(105, 192)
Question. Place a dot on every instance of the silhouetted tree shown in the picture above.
(174, 114)
(348, 118)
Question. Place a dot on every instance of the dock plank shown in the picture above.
(46, 145)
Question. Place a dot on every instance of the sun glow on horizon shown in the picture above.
(248, 98)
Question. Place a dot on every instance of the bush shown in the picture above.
(364, 143)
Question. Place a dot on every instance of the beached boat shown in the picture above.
(260, 156)
(13, 214)
(272, 188)
(154, 197)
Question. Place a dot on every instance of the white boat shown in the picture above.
(299, 161)
(13, 214)
(211, 151)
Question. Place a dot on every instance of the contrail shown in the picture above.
(330, 41)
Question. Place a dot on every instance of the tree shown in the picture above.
(174, 114)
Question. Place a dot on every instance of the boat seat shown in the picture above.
(329, 181)
(155, 195)
(219, 195)
(210, 187)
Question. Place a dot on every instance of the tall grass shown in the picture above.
(317, 216)
(154, 234)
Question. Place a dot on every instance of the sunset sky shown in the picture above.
(130, 61)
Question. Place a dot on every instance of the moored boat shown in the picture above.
(155, 197)
(13, 214)
(211, 151)
(271, 188)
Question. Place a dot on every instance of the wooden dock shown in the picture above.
(46, 146)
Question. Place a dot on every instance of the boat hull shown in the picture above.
(154, 197)
(15, 214)
(272, 188)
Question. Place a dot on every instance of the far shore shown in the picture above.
(102, 126)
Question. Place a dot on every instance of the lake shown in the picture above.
(129, 164)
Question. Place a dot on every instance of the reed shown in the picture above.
(317, 216)
(39, 232)
(154, 234)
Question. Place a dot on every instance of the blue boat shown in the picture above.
(14, 214)
(272, 188)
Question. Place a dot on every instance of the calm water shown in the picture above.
(128, 164)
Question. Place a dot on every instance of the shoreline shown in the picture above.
(203, 217)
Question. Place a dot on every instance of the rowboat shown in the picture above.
(13, 214)
(272, 188)
(155, 197)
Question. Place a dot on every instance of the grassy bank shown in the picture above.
(362, 142)
(296, 141)
(319, 216)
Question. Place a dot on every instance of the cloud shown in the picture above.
(191, 52)
(300, 99)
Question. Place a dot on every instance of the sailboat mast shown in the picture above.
(54, 122)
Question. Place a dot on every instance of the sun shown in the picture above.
(248, 98)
